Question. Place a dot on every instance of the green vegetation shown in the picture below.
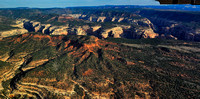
(5, 67)
(4, 64)
(78, 90)
(6, 27)
(123, 67)
(44, 53)
(164, 68)
(5, 24)
(6, 84)
(138, 41)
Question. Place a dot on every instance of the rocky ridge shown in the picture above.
(177, 30)
(145, 30)
(44, 66)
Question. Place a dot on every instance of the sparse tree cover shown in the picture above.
(103, 70)
(45, 66)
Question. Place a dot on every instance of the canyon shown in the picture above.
(131, 26)
(117, 31)
(99, 53)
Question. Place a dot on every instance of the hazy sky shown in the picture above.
(70, 3)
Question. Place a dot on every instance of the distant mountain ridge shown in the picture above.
(183, 7)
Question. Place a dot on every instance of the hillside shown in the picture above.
(41, 66)
(117, 52)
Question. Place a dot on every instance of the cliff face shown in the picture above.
(80, 31)
(32, 26)
(135, 29)
(60, 31)
(179, 25)
(113, 18)
(144, 30)
(131, 32)
(182, 32)
(13, 32)
(177, 29)
(149, 33)
(115, 32)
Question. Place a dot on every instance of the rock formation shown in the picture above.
(46, 29)
(142, 28)
(101, 19)
(149, 33)
(80, 31)
(20, 30)
(40, 66)
(115, 32)
(95, 28)
(31, 26)
(126, 31)
(13, 32)
(177, 30)
(60, 31)
(37, 26)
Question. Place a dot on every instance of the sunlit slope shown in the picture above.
(44, 66)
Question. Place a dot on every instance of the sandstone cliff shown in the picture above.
(95, 28)
(143, 29)
(178, 30)
(129, 32)
(115, 32)
(149, 33)
(13, 32)
(101, 19)
(80, 31)
(60, 31)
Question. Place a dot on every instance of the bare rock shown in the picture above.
(13, 32)
(101, 19)
(149, 33)
(115, 32)
(80, 31)
(121, 19)
(37, 26)
(60, 31)
(75, 15)
(19, 24)
(95, 28)
(46, 28)
(52, 28)
(114, 19)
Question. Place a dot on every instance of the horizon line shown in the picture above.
(95, 6)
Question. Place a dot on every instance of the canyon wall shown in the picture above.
(145, 29)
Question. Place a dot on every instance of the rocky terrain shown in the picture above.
(99, 53)
(35, 65)
(106, 22)
(182, 25)
(116, 31)
(178, 30)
